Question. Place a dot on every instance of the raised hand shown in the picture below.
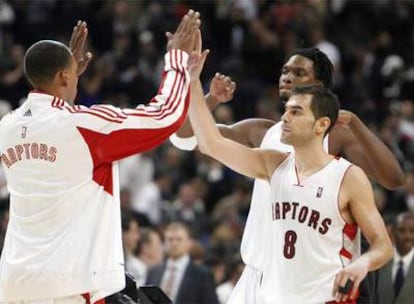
(345, 117)
(77, 45)
(185, 36)
(222, 88)
(197, 58)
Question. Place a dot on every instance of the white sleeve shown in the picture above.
(116, 133)
(187, 144)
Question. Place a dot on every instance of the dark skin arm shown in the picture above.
(351, 138)
(249, 132)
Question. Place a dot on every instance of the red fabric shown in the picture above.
(102, 172)
(350, 230)
(345, 253)
(346, 302)
(87, 298)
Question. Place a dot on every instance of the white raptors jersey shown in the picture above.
(309, 242)
(254, 243)
(64, 232)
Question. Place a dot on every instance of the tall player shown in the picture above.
(63, 242)
(349, 137)
(317, 203)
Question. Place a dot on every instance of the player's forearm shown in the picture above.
(389, 173)
(201, 120)
(380, 252)
(186, 130)
(147, 126)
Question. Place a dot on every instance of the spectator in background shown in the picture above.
(234, 270)
(181, 279)
(396, 278)
(150, 248)
(151, 199)
(130, 239)
(189, 208)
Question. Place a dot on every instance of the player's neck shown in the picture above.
(53, 91)
(310, 158)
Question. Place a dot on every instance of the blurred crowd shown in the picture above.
(370, 44)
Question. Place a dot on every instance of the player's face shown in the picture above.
(177, 242)
(298, 70)
(298, 121)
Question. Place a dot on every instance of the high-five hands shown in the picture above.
(77, 45)
(185, 36)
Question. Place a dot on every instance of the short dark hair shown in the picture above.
(44, 59)
(322, 66)
(126, 219)
(324, 103)
(176, 225)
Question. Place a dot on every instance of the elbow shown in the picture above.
(394, 181)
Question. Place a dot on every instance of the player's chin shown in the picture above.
(284, 94)
(285, 138)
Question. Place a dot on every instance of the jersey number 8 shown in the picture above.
(290, 240)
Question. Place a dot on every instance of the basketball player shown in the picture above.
(317, 202)
(349, 137)
(63, 242)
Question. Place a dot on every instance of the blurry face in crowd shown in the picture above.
(131, 236)
(404, 234)
(177, 242)
(156, 248)
(298, 70)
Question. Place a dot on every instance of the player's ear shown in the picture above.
(322, 125)
(63, 77)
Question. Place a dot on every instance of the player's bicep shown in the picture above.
(362, 204)
(343, 142)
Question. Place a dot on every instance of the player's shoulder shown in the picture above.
(8, 117)
(355, 177)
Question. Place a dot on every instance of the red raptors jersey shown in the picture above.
(309, 242)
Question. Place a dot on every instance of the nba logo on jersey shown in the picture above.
(319, 192)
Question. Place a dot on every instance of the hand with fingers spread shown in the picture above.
(185, 35)
(222, 88)
(77, 45)
(348, 279)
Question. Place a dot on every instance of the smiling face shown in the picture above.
(298, 70)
